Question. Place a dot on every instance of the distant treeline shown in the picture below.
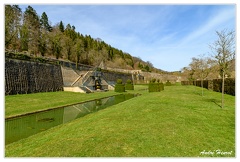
(215, 85)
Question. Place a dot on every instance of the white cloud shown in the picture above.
(176, 53)
(213, 22)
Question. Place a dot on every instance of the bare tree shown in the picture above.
(200, 68)
(186, 73)
(12, 26)
(205, 64)
(224, 51)
(195, 66)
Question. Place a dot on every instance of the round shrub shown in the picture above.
(119, 81)
(129, 81)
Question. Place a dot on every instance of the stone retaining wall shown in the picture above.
(111, 77)
(22, 77)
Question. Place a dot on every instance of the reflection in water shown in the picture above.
(20, 127)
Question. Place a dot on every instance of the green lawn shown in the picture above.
(20, 104)
(177, 122)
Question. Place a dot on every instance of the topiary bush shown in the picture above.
(168, 83)
(161, 86)
(119, 81)
(119, 87)
(153, 80)
(153, 87)
(129, 81)
(129, 85)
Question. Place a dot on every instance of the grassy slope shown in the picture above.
(38, 101)
(175, 122)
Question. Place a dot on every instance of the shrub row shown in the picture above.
(155, 87)
(229, 86)
(120, 87)
(215, 85)
(186, 82)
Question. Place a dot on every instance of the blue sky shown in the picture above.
(166, 35)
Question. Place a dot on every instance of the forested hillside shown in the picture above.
(30, 33)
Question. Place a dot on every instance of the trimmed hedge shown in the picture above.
(155, 87)
(229, 86)
(161, 85)
(199, 83)
(129, 85)
(119, 87)
(206, 83)
(215, 85)
(187, 82)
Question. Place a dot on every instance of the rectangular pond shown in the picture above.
(23, 126)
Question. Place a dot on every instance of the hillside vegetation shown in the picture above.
(29, 33)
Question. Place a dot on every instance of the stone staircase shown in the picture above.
(81, 81)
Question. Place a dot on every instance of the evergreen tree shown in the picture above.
(44, 22)
(32, 23)
(44, 34)
(61, 27)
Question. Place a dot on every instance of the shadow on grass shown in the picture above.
(215, 101)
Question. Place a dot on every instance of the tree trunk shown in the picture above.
(77, 65)
(202, 83)
(223, 89)
(195, 84)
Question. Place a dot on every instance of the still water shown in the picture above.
(23, 126)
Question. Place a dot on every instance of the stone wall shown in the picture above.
(111, 77)
(22, 77)
(141, 77)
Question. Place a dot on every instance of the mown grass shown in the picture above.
(20, 104)
(177, 122)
